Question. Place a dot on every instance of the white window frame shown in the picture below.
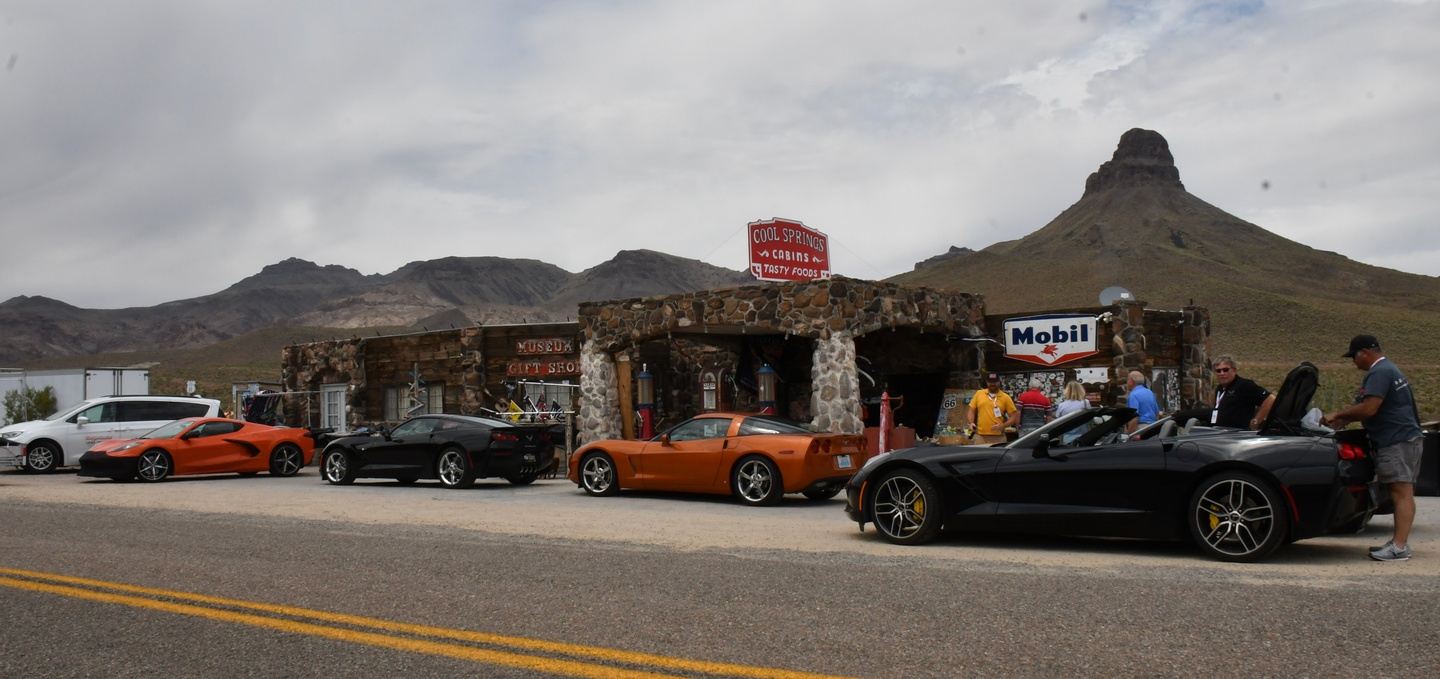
(335, 413)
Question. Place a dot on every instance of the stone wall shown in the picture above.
(832, 312)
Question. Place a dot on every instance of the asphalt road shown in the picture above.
(230, 576)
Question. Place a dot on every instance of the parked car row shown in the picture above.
(1239, 495)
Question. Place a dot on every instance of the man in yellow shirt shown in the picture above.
(991, 411)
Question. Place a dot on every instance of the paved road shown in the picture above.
(99, 578)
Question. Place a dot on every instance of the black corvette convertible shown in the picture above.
(1239, 495)
(455, 449)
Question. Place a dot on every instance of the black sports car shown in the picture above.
(456, 449)
(1238, 494)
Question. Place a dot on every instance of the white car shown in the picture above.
(60, 440)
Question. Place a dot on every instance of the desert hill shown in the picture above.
(1270, 298)
(298, 293)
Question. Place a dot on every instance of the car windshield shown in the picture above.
(1081, 428)
(62, 414)
(168, 431)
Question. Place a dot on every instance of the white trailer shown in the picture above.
(73, 385)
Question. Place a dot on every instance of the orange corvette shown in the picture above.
(757, 458)
(201, 445)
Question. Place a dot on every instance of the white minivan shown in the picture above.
(60, 440)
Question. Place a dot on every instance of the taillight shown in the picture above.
(504, 436)
(814, 447)
(1351, 451)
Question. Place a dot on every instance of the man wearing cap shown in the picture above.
(991, 411)
(1386, 404)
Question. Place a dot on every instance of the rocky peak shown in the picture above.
(1142, 157)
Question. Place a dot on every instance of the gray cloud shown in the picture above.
(172, 148)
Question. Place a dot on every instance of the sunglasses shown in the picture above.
(1224, 370)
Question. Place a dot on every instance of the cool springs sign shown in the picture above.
(1050, 340)
(785, 250)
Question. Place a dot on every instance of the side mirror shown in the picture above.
(664, 439)
(82, 420)
(1041, 449)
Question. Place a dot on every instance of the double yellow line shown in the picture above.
(523, 653)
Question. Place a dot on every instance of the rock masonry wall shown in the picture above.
(833, 312)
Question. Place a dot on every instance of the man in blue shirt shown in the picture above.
(1387, 405)
(1142, 400)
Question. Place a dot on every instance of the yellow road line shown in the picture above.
(577, 650)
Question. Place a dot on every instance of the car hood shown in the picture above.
(928, 455)
(111, 444)
(22, 426)
(1293, 399)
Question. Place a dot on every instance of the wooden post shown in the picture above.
(627, 401)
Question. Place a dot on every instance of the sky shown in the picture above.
(160, 150)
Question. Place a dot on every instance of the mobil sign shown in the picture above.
(1052, 339)
(785, 250)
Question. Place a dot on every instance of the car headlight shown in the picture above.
(10, 434)
(127, 446)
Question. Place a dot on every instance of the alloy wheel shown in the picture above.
(452, 468)
(287, 460)
(40, 458)
(153, 466)
(597, 474)
(1235, 517)
(754, 480)
(900, 506)
(336, 467)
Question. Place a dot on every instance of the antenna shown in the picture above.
(1115, 294)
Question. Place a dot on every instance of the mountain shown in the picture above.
(450, 291)
(1136, 226)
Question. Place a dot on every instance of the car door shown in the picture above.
(403, 449)
(101, 422)
(689, 459)
(204, 450)
(1092, 486)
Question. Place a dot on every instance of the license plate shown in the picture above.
(842, 462)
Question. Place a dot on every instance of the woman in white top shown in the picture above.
(1074, 400)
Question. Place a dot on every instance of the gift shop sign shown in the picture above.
(1050, 340)
(543, 368)
(785, 250)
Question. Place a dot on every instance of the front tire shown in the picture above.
(339, 470)
(42, 457)
(906, 507)
(286, 460)
(454, 470)
(153, 466)
(597, 475)
(1235, 516)
(756, 482)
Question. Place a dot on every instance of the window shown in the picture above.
(332, 406)
(700, 428)
(400, 405)
(771, 425)
(103, 412)
(215, 429)
(415, 427)
(160, 411)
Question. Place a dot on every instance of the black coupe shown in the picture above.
(456, 449)
(1239, 495)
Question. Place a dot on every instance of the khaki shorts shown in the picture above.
(1399, 462)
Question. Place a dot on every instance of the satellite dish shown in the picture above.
(1115, 294)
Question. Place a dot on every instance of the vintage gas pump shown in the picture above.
(645, 384)
(766, 378)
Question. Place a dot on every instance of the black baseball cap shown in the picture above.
(1360, 342)
(992, 377)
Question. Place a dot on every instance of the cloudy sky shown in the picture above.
(156, 150)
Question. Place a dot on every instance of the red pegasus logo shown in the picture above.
(1051, 350)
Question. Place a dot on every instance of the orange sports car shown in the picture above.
(758, 458)
(201, 445)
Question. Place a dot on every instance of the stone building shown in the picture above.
(347, 383)
(834, 345)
